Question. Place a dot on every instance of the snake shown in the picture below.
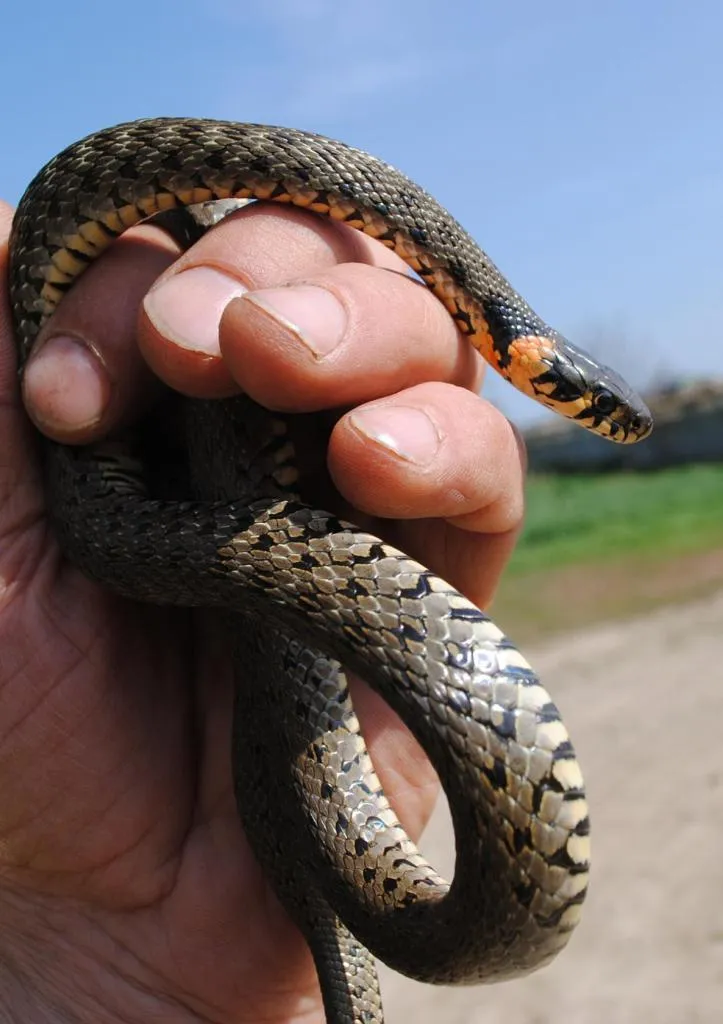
(307, 597)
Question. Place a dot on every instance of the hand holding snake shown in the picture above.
(599, 411)
(181, 860)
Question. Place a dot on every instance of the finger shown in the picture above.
(471, 562)
(432, 451)
(345, 336)
(407, 776)
(347, 331)
(86, 374)
(20, 486)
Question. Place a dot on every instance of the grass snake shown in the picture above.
(305, 594)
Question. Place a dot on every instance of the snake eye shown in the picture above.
(605, 402)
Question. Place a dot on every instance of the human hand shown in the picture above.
(128, 891)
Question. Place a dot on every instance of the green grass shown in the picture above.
(591, 519)
(605, 547)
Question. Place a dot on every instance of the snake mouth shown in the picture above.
(625, 425)
(641, 425)
(637, 428)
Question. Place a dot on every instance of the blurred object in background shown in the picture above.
(688, 428)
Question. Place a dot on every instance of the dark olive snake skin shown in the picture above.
(303, 593)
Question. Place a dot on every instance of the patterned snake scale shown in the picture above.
(304, 593)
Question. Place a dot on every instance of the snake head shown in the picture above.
(600, 399)
(569, 381)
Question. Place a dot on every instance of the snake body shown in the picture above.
(304, 594)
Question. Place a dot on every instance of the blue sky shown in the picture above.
(581, 144)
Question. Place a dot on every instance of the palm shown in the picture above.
(120, 795)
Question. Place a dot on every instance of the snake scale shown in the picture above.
(304, 594)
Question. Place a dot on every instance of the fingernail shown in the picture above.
(66, 387)
(187, 308)
(407, 432)
(313, 314)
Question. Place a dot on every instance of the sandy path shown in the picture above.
(644, 703)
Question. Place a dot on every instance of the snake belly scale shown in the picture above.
(304, 594)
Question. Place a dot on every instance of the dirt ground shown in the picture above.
(644, 704)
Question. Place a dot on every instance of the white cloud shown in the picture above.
(335, 55)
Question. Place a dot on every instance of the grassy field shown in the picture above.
(605, 546)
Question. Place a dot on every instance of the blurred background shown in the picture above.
(581, 145)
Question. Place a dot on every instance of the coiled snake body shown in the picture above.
(304, 592)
